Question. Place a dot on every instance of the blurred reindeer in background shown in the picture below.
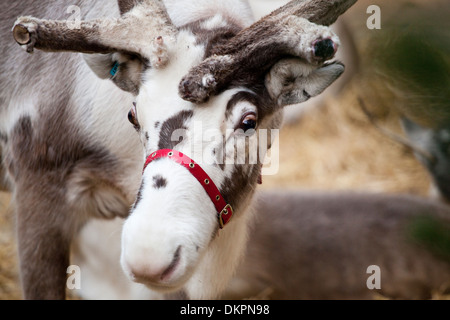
(436, 144)
(409, 57)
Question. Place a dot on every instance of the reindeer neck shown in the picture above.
(221, 259)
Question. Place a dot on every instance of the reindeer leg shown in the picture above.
(44, 248)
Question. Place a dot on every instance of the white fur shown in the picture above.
(101, 110)
(177, 215)
(97, 252)
(186, 11)
(19, 107)
(262, 8)
(215, 22)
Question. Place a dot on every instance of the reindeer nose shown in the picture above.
(324, 49)
(158, 272)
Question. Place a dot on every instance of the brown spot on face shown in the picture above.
(159, 182)
(212, 37)
(127, 5)
(233, 188)
(176, 122)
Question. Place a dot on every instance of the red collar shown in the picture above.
(224, 210)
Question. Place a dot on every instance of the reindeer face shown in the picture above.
(173, 220)
(208, 90)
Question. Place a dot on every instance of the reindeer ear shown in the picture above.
(124, 70)
(100, 64)
(413, 129)
(420, 136)
(291, 81)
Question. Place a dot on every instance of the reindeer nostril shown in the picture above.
(173, 264)
(161, 270)
(324, 49)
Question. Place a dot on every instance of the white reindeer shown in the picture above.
(70, 158)
(315, 245)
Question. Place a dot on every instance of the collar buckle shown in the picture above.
(225, 215)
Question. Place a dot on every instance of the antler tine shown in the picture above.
(395, 137)
(320, 11)
(296, 29)
(104, 35)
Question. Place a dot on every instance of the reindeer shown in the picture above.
(70, 158)
(431, 147)
(301, 254)
(66, 154)
(319, 245)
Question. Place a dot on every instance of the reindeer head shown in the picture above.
(435, 143)
(206, 92)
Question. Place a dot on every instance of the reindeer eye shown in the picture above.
(132, 117)
(248, 122)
